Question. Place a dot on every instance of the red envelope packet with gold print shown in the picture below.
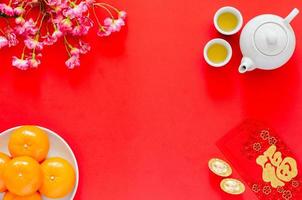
(264, 162)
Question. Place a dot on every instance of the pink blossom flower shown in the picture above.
(57, 19)
(75, 51)
(31, 43)
(57, 34)
(27, 28)
(114, 25)
(83, 26)
(33, 62)
(2, 7)
(80, 9)
(77, 11)
(81, 29)
(57, 3)
(122, 14)
(85, 21)
(90, 2)
(73, 62)
(108, 21)
(49, 40)
(20, 63)
(12, 38)
(3, 41)
(69, 13)
(19, 10)
(84, 47)
(8, 10)
(20, 20)
(65, 25)
(34, 55)
(53, 2)
(103, 32)
(78, 31)
(59, 7)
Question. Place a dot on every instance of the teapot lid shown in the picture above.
(270, 38)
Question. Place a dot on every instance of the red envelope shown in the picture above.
(263, 161)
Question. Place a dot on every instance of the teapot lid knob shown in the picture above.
(270, 39)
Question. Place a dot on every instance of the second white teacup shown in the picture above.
(217, 52)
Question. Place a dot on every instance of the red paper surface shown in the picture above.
(144, 110)
(244, 144)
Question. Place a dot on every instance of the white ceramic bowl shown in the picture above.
(58, 148)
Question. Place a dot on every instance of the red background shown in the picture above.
(143, 112)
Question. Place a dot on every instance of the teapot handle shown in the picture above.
(291, 15)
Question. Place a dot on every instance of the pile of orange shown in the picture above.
(28, 174)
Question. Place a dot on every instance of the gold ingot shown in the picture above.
(220, 167)
(232, 186)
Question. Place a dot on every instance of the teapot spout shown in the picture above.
(291, 15)
(246, 65)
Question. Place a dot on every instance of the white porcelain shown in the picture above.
(232, 10)
(222, 42)
(267, 42)
(58, 148)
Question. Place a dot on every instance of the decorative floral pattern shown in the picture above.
(287, 194)
(255, 188)
(264, 134)
(266, 190)
(295, 183)
(57, 20)
(257, 146)
(272, 140)
(280, 189)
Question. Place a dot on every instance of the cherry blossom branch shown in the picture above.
(55, 19)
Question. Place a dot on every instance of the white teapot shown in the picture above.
(267, 42)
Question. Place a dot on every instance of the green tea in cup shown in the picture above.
(228, 20)
(217, 52)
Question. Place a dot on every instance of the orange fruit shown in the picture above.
(58, 178)
(4, 159)
(23, 176)
(29, 141)
(11, 196)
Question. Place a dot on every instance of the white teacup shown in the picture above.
(228, 20)
(217, 52)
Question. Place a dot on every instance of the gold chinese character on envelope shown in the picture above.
(276, 170)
